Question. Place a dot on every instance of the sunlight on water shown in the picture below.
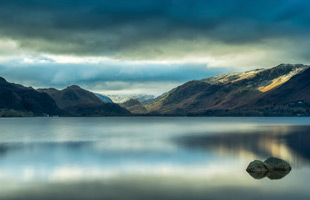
(145, 158)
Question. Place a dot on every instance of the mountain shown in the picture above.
(103, 98)
(134, 106)
(72, 96)
(79, 102)
(296, 89)
(143, 98)
(17, 100)
(91, 110)
(281, 90)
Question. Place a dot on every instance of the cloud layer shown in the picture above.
(127, 28)
(186, 35)
(109, 76)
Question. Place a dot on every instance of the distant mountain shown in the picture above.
(79, 102)
(72, 96)
(123, 98)
(278, 91)
(103, 98)
(17, 100)
(283, 90)
(144, 98)
(134, 106)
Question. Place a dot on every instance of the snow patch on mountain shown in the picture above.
(232, 77)
(123, 98)
(282, 79)
(104, 98)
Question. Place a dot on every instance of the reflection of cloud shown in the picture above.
(238, 187)
(119, 144)
(278, 149)
(67, 173)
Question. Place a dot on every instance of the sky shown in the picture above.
(146, 46)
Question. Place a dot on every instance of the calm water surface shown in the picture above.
(151, 158)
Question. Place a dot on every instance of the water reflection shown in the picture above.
(288, 142)
(150, 158)
(273, 175)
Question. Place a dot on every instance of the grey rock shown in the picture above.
(258, 166)
(273, 168)
(259, 174)
(278, 164)
(275, 175)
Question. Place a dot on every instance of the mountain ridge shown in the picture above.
(233, 92)
(71, 96)
(104, 98)
(77, 101)
(134, 106)
(25, 101)
(283, 90)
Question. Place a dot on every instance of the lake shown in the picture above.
(151, 158)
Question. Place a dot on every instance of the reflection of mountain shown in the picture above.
(299, 142)
(288, 142)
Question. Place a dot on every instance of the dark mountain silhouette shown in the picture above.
(72, 96)
(91, 110)
(79, 102)
(25, 101)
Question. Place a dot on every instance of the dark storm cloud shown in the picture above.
(110, 27)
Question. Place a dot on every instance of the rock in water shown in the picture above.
(278, 164)
(275, 175)
(259, 174)
(258, 166)
(273, 168)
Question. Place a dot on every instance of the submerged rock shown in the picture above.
(278, 164)
(258, 166)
